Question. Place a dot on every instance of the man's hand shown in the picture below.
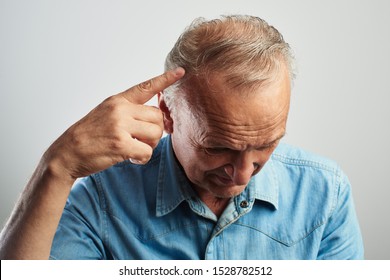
(120, 128)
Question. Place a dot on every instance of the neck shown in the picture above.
(216, 204)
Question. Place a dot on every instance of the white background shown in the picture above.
(59, 59)
(198, 270)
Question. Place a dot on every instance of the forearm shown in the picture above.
(30, 230)
(121, 127)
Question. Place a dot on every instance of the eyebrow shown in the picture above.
(266, 145)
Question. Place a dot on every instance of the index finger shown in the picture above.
(143, 92)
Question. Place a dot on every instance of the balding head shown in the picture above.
(244, 50)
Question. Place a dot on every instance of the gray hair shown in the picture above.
(245, 50)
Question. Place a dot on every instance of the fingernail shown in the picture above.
(134, 161)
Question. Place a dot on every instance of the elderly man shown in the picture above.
(219, 186)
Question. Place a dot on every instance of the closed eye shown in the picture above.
(216, 151)
(268, 146)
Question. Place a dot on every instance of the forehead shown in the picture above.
(241, 117)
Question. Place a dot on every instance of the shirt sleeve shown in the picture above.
(342, 238)
(79, 234)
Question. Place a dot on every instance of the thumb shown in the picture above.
(143, 92)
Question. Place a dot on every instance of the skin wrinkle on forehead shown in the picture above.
(213, 119)
(219, 124)
(243, 137)
(237, 143)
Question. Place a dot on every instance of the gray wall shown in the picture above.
(58, 59)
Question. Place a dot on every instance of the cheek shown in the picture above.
(264, 156)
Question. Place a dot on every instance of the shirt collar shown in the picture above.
(174, 187)
(264, 185)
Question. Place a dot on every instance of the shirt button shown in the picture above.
(244, 204)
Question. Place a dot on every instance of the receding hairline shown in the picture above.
(208, 37)
(209, 47)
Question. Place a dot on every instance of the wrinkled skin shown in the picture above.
(236, 132)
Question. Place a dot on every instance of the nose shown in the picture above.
(242, 169)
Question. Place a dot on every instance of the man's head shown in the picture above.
(229, 111)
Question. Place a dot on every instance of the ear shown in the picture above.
(168, 121)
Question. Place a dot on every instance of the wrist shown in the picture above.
(53, 164)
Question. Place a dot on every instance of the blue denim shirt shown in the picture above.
(298, 207)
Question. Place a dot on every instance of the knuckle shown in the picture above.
(149, 85)
(110, 104)
(155, 114)
(165, 77)
(145, 86)
(138, 152)
(113, 111)
(157, 133)
(142, 159)
(155, 136)
(117, 142)
(146, 156)
(110, 99)
(154, 143)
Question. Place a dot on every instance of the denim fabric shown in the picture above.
(298, 207)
